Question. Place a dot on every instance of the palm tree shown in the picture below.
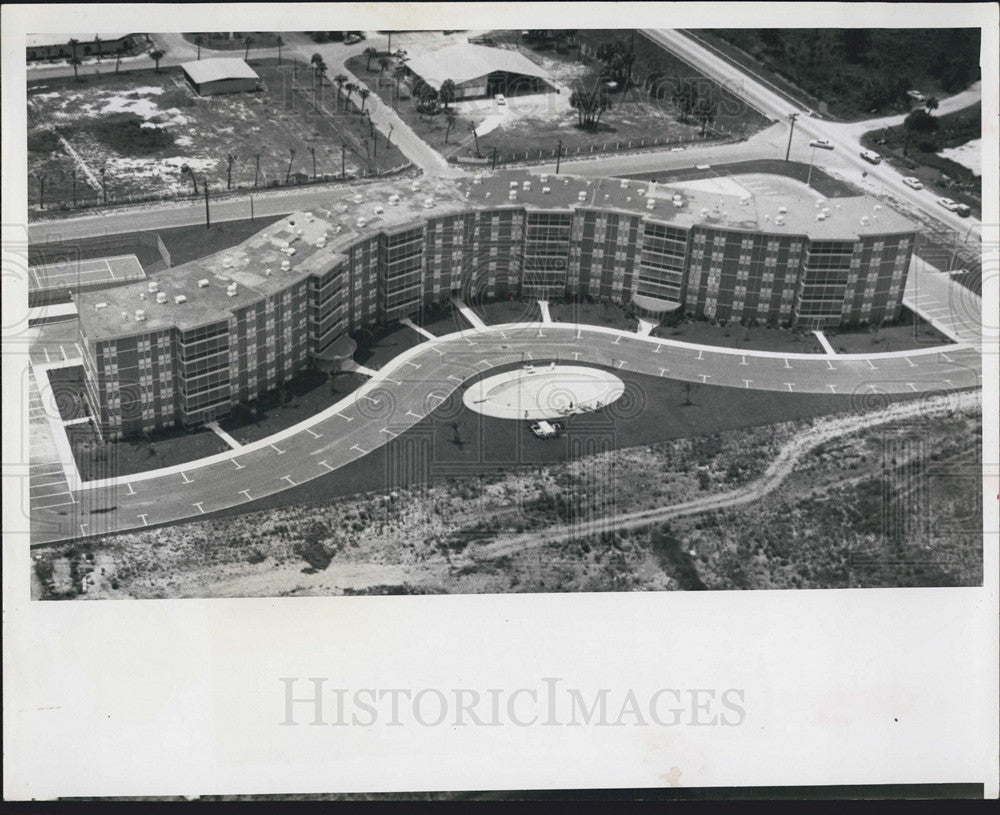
(350, 87)
(931, 103)
(73, 43)
(75, 62)
(340, 79)
(398, 74)
(475, 136)
(97, 44)
(156, 56)
(383, 63)
(364, 93)
(370, 51)
(279, 42)
(288, 172)
(186, 170)
(447, 92)
(247, 41)
(199, 40)
(118, 57)
(451, 117)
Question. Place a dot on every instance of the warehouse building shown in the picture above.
(478, 70)
(220, 75)
(190, 343)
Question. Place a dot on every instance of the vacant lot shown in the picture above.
(863, 72)
(143, 134)
(917, 154)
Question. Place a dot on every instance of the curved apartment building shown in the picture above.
(183, 348)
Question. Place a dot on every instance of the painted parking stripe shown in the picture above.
(246, 493)
(185, 477)
(279, 452)
(238, 465)
(387, 430)
(288, 478)
(342, 416)
(832, 388)
(131, 489)
(663, 371)
(870, 365)
(912, 386)
(743, 359)
(704, 378)
(198, 504)
(359, 449)
(747, 382)
(324, 464)
(912, 363)
(788, 385)
(143, 519)
(313, 433)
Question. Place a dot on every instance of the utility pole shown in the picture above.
(811, 160)
(558, 156)
(74, 189)
(343, 159)
(791, 118)
(251, 206)
(41, 193)
(104, 187)
(312, 150)
(493, 166)
(256, 173)
(208, 222)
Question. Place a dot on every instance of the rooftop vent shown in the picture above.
(428, 203)
(477, 180)
(140, 315)
(878, 207)
(153, 285)
(286, 265)
(487, 194)
(641, 191)
(820, 216)
(203, 283)
(782, 210)
(703, 213)
(227, 262)
(678, 204)
(546, 190)
(100, 305)
(379, 209)
(526, 185)
(142, 295)
(394, 199)
(582, 195)
(779, 220)
(624, 184)
(180, 298)
(513, 185)
(512, 195)
(232, 289)
(543, 177)
(650, 203)
(161, 297)
(357, 199)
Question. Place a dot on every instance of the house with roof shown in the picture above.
(478, 70)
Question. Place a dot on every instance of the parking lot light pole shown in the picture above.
(791, 118)
(811, 160)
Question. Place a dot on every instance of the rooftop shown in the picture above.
(465, 62)
(216, 68)
(43, 40)
(350, 213)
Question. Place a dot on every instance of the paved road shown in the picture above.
(843, 135)
(776, 473)
(415, 382)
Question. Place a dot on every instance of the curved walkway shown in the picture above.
(412, 385)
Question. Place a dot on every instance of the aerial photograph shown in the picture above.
(503, 311)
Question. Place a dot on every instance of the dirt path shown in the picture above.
(775, 474)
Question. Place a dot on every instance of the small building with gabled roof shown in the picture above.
(478, 70)
(220, 75)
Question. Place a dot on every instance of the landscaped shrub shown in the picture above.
(124, 133)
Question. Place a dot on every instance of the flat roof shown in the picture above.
(217, 68)
(43, 40)
(464, 62)
(350, 213)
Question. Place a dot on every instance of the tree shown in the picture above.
(73, 43)
(687, 98)
(363, 94)
(687, 394)
(427, 102)
(315, 60)
(383, 63)
(247, 41)
(590, 105)
(230, 158)
(931, 104)
(340, 79)
(475, 137)
(350, 87)
(320, 74)
(447, 92)
(291, 158)
(371, 51)
(156, 56)
(918, 122)
(855, 43)
(704, 112)
(398, 74)
(97, 44)
(118, 57)
(450, 117)
(618, 59)
(186, 170)
(75, 61)
(279, 42)
(199, 40)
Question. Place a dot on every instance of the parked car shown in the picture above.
(546, 430)
(948, 204)
(351, 39)
(914, 182)
(871, 156)
(500, 99)
(916, 96)
(962, 211)
(826, 144)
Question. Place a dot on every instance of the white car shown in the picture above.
(948, 204)
(500, 99)
(871, 156)
(826, 144)
(914, 182)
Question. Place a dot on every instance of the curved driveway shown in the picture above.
(415, 382)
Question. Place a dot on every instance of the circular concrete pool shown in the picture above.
(545, 391)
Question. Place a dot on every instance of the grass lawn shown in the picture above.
(610, 315)
(376, 355)
(702, 332)
(142, 127)
(68, 387)
(508, 311)
(307, 394)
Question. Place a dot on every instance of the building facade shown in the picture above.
(141, 378)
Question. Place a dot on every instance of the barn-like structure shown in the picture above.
(220, 75)
(478, 70)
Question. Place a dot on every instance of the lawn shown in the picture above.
(603, 314)
(233, 41)
(68, 386)
(139, 130)
(863, 72)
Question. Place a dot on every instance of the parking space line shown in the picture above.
(912, 363)
(912, 386)
(324, 464)
(747, 382)
(832, 388)
(618, 339)
(313, 433)
(387, 430)
(704, 378)
(131, 489)
(743, 359)
(247, 494)
(664, 370)
(359, 449)
(621, 363)
(199, 505)
(830, 365)
(657, 349)
(870, 365)
(701, 354)
(53, 506)
(288, 478)
(947, 358)
(238, 465)
(185, 477)
(143, 519)
(342, 416)
(788, 385)
(786, 363)
(411, 413)
(279, 452)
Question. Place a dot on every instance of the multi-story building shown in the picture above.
(187, 346)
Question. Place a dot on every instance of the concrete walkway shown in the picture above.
(645, 327)
(469, 314)
(544, 306)
(824, 342)
(222, 434)
(355, 368)
(422, 331)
